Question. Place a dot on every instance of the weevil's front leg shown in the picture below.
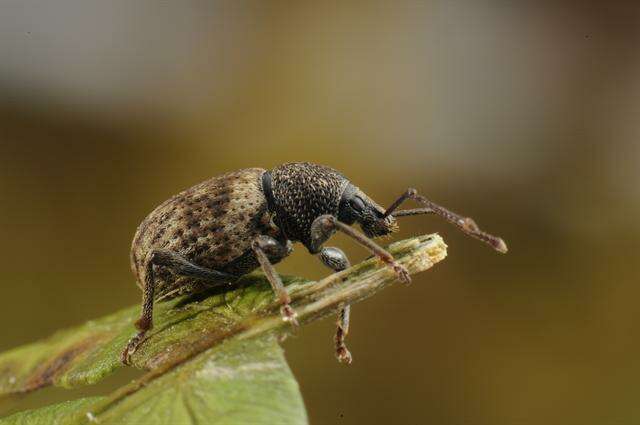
(326, 225)
(180, 266)
(336, 260)
(466, 224)
(262, 246)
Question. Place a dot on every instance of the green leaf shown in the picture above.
(86, 354)
(56, 414)
(241, 381)
(222, 343)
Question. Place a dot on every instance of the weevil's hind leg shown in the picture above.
(336, 260)
(145, 322)
(326, 225)
(466, 224)
(180, 266)
(262, 247)
(183, 267)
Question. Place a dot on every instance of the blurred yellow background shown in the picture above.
(523, 116)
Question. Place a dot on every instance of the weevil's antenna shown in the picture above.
(410, 193)
(466, 224)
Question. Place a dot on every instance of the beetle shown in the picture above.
(213, 233)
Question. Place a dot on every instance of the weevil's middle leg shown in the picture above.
(342, 330)
(262, 246)
(336, 260)
(466, 224)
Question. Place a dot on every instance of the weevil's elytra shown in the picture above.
(227, 226)
(211, 224)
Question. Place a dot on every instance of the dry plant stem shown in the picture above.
(315, 300)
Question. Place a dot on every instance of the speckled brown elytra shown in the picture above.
(225, 227)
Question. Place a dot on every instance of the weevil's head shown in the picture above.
(298, 193)
(356, 207)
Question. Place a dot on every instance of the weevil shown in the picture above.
(223, 228)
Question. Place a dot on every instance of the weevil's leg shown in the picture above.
(145, 322)
(326, 225)
(179, 265)
(342, 330)
(183, 267)
(262, 246)
(466, 224)
(336, 260)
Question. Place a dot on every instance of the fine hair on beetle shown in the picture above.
(223, 228)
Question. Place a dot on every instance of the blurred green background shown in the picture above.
(523, 116)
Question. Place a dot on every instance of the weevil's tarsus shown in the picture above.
(132, 347)
(266, 245)
(466, 224)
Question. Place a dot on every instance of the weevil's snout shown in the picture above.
(356, 206)
(379, 226)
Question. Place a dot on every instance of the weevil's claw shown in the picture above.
(402, 272)
(343, 355)
(125, 357)
(289, 315)
(131, 348)
(500, 246)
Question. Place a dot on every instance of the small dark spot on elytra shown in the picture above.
(224, 250)
(219, 212)
(215, 229)
(159, 234)
(217, 202)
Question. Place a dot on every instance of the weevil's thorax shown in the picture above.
(301, 192)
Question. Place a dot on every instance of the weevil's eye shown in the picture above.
(357, 204)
